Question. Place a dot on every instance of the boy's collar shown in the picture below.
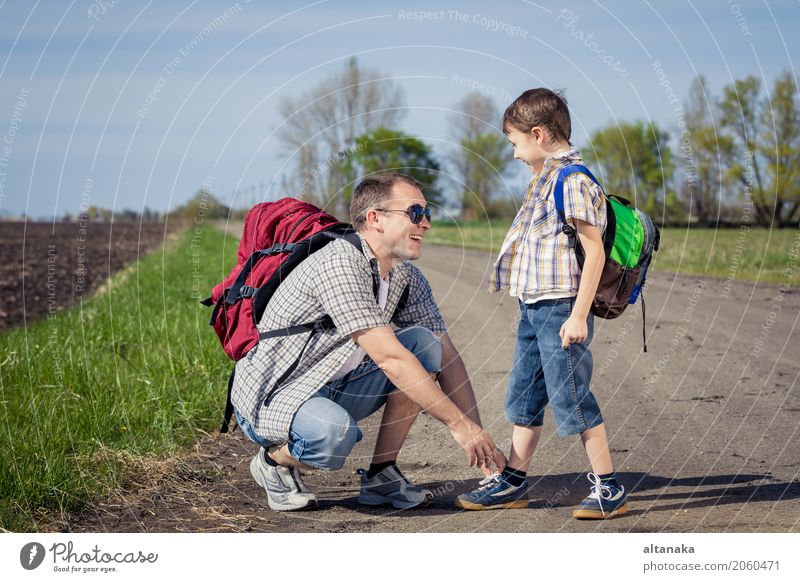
(561, 156)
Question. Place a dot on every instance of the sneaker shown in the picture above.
(494, 492)
(285, 490)
(603, 502)
(390, 487)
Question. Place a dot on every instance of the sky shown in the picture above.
(124, 104)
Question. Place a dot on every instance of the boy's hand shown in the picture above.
(573, 331)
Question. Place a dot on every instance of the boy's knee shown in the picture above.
(324, 434)
(424, 345)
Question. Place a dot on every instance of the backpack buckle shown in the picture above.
(247, 291)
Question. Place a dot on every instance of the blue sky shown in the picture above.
(77, 125)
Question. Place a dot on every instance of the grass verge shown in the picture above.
(135, 372)
(756, 254)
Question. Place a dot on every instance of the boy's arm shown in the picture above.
(575, 329)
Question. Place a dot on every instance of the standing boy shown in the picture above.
(552, 361)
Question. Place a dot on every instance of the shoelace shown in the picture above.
(489, 482)
(599, 491)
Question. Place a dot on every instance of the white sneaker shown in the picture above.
(390, 487)
(285, 490)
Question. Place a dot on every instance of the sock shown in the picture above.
(609, 480)
(269, 460)
(514, 476)
(376, 468)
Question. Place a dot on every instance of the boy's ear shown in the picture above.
(538, 135)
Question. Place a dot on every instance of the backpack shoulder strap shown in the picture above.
(558, 197)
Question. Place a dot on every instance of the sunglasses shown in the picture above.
(415, 212)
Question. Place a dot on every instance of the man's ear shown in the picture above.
(372, 221)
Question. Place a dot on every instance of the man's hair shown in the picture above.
(372, 192)
(539, 107)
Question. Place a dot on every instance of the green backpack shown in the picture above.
(629, 241)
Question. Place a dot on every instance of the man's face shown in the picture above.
(527, 149)
(402, 237)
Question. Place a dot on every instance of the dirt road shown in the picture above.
(703, 427)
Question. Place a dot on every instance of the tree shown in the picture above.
(636, 164)
(320, 128)
(766, 137)
(705, 154)
(389, 150)
(480, 157)
(780, 147)
(202, 206)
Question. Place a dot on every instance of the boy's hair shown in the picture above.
(373, 191)
(540, 107)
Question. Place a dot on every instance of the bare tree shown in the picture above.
(479, 156)
(320, 129)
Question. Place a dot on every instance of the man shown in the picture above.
(310, 418)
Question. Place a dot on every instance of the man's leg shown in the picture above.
(362, 393)
(321, 436)
(398, 417)
(400, 411)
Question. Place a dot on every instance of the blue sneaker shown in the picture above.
(603, 502)
(494, 492)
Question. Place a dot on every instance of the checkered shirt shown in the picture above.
(337, 281)
(535, 257)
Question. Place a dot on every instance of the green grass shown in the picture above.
(756, 254)
(134, 372)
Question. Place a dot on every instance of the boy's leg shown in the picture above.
(523, 444)
(568, 373)
(595, 442)
(525, 402)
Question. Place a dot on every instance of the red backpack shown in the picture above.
(277, 236)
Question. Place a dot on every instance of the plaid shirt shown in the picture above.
(337, 280)
(535, 258)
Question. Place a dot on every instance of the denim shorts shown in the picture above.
(545, 372)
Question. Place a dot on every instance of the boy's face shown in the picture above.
(528, 146)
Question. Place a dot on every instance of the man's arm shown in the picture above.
(575, 329)
(408, 375)
(454, 380)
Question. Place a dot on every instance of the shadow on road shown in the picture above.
(659, 493)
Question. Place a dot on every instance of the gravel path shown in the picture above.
(703, 427)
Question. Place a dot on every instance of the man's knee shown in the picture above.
(424, 345)
(323, 434)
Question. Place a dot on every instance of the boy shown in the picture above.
(552, 361)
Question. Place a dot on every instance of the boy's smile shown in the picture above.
(526, 148)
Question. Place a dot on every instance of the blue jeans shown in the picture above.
(324, 429)
(545, 372)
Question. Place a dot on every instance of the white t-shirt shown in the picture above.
(358, 356)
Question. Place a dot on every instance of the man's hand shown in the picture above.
(573, 331)
(478, 445)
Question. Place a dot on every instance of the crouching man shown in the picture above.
(309, 417)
